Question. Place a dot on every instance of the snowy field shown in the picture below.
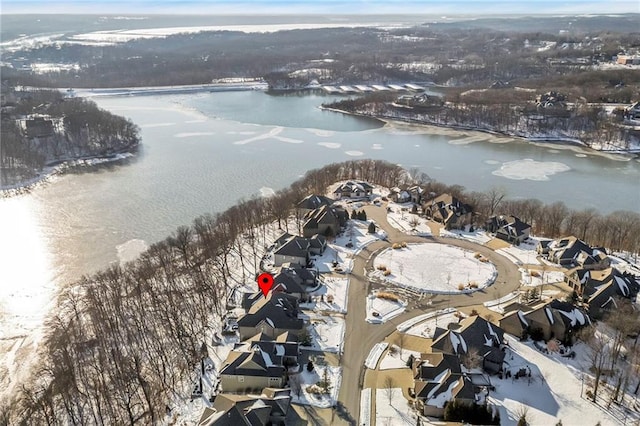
(434, 268)
(306, 379)
(477, 236)
(402, 220)
(327, 334)
(396, 358)
(337, 287)
(525, 253)
(428, 327)
(386, 309)
(357, 236)
(529, 278)
(552, 395)
(396, 413)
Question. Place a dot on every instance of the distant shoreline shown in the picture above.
(551, 140)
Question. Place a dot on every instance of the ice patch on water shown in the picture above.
(267, 192)
(272, 134)
(152, 125)
(190, 135)
(468, 140)
(247, 132)
(581, 155)
(530, 169)
(131, 250)
(354, 153)
(330, 145)
(321, 133)
(492, 162)
(376, 146)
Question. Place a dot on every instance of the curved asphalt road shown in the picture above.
(360, 336)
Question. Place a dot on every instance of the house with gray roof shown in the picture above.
(599, 290)
(438, 380)
(312, 202)
(251, 371)
(353, 189)
(293, 250)
(448, 210)
(474, 333)
(571, 251)
(273, 315)
(324, 221)
(270, 408)
(509, 228)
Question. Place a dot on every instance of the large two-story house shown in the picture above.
(325, 220)
(509, 228)
(448, 210)
(353, 189)
(272, 315)
(270, 408)
(599, 290)
(571, 251)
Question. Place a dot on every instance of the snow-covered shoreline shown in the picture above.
(49, 172)
(551, 140)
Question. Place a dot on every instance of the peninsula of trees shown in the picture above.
(42, 128)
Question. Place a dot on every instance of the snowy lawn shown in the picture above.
(327, 334)
(400, 217)
(336, 287)
(525, 253)
(552, 394)
(396, 413)
(477, 236)
(356, 236)
(530, 279)
(428, 327)
(434, 268)
(396, 358)
(385, 309)
(301, 394)
(324, 263)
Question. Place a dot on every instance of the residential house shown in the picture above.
(353, 189)
(39, 127)
(571, 251)
(438, 380)
(295, 280)
(553, 319)
(270, 408)
(312, 202)
(293, 250)
(599, 289)
(284, 352)
(448, 210)
(399, 195)
(273, 315)
(407, 194)
(251, 371)
(474, 333)
(325, 220)
(509, 228)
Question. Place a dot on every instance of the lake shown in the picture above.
(202, 152)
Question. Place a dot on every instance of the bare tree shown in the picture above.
(389, 385)
(597, 354)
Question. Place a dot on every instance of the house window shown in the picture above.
(241, 378)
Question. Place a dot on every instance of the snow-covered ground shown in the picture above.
(327, 333)
(337, 287)
(365, 406)
(434, 268)
(528, 278)
(374, 355)
(428, 327)
(525, 253)
(400, 217)
(385, 308)
(477, 236)
(552, 395)
(396, 358)
(306, 379)
(393, 409)
(346, 246)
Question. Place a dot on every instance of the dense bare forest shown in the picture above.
(123, 344)
(42, 127)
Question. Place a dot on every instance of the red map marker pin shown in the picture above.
(265, 282)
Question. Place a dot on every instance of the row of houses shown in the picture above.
(254, 376)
